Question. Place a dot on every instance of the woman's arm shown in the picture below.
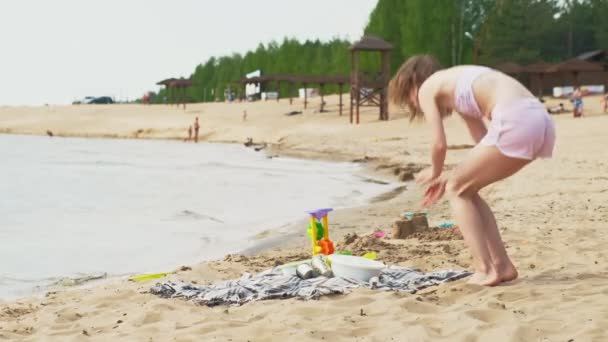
(427, 98)
(477, 128)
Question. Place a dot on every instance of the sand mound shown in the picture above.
(437, 234)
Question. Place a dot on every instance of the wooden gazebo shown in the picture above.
(377, 83)
(176, 89)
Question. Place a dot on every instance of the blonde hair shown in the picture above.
(412, 73)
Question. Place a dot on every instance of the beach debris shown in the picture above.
(256, 146)
(79, 280)
(362, 313)
(85, 332)
(185, 268)
(260, 147)
(375, 181)
(235, 258)
(197, 216)
(403, 173)
(16, 311)
(49, 133)
(446, 225)
(138, 132)
(365, 159)
(294, 112)
(389, 195)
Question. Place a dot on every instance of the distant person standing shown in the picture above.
(577, 101)
(189, 133)
(605, 101)
(244, 115)
(196, 128)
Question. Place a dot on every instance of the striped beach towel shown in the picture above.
(273, 284)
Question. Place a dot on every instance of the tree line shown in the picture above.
(455, 31)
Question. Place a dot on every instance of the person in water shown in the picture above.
(520, 130)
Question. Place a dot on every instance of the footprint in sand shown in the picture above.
(487, 316)
(164, 307)
(307, 313)
(67, 316)
(414, 306)
(510, 296)
(211, 327)
(351, 302)
(62, 327)
(150, 318)
(360, 332)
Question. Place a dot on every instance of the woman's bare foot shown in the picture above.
(507, 272)
(494, 276)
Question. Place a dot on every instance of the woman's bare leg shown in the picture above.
(485, 165)
(503, 263)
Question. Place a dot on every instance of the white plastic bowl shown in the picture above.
(348, 266)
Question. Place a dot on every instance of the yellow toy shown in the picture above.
(318, 230)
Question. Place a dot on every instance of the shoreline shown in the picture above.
(550, 215)
(291, 236)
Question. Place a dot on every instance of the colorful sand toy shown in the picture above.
(318, 230)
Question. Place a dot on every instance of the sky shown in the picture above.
(54, 52)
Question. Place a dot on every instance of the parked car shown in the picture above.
(85, 100)
(102, 100)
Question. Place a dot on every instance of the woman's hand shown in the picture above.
(425, 176)
(434, 191)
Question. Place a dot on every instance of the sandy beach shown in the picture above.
(553, 216)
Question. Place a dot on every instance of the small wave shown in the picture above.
(192, 215)
(76, 281)
(95, 163)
